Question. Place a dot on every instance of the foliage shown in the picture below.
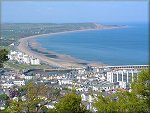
(121, 102)
(136, 101)
(141, 86)
(70, 103)
(3, 56)
(53, 93)
(36, 93)
(4, 97)
(104, 104)
(35, 99)
(130, 102)
(15, 106)
(19, 30)
(22, 90)
(51, 111)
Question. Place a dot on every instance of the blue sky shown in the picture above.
(68, 12)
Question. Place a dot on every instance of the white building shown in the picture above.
(88, 99)
(19, 82)
(122, 76)
(82, 89)
(122, 84)
(10, 57)
(51, 105)
(23, 58)
(84, 97)
(28, 77)
(35, 61)
(7, 85)
(64, 81)
(26, 59)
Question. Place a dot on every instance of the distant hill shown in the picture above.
(14, 31)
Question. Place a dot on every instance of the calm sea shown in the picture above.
(114, 46)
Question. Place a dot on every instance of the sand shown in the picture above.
(64, 61)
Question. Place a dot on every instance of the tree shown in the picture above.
(70, 103)
(121, 102)
(3, 56)
(141, 86)
(16, 106)
(101, 103)
(130, 102)
(35, 99)
(136, 101)
(35, 95)
(4, 97)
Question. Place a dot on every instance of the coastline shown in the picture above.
(32, 48)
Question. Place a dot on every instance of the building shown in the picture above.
(35, 61)
(122, 76)
(23, 58)
(19, 82)
(7, 85)
(26, 59)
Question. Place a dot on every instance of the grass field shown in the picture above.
(5, 47)
(21, 67)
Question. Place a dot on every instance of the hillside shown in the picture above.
(14, 31)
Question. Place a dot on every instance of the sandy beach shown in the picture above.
(64, 61)
(26, 45)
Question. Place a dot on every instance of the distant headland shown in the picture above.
(31, 31)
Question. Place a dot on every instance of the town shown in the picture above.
(88, 81)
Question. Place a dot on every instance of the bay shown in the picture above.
(123, 46)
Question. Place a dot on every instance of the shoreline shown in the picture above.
(32, 48)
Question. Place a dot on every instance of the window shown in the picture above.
(114, 77)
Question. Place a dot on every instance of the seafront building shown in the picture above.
(124, 77)
(23, 58)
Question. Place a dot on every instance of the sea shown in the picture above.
(121, 46)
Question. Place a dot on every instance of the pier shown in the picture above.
(129, 67)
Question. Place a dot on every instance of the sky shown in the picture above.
(74, 12)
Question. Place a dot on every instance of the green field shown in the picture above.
(5, 47)
(21, 67)
(11, 32)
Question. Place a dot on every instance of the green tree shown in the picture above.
(3, 56)
(16, 106)
(105, 104)
(70, 103)
(51, 111)
(130, 102)
(4, 97)
(141, 86)
(35, 99)
(35, 95)
(136, 101)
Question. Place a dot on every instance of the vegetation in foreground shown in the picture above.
(36, 96)
(136, 101)
(3, 56)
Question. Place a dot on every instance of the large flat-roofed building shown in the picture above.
(122, 75)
